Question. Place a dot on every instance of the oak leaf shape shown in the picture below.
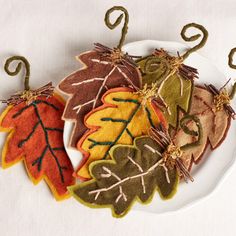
(36, 137)
(215, 125)
(122, 118)
(175, 91)
(86, 87)
(134, 173)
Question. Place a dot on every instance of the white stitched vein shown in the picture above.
(181, 85)
(125, 76)
(82, 105)
(98, 193)
(168, 110)
(121, 195)
(127, 179)
(100, 89)
(94, 101)
(167, 77)
(120, 187)
(141, 170)
(162, 99)
(136, 164)
(101, 62)
(152, 149)
(118, 198)
(88, 81)
(107, 175)
(167, 174)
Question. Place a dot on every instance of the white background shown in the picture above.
(50, 34)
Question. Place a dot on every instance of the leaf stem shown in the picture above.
(232, 94)
(117, 22)
(194, 38)
(233, 66)
(18, 69)
(198, 133)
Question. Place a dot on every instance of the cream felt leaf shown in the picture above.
(86, 86)
(174, 79)
(215, 125)
(122, 118)
(134, 173)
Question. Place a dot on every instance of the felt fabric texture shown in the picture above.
(36, 137)
(215, 125)
(120, 119)
(174, 89)
(134, 173)
(87, 86)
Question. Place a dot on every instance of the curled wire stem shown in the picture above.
(28, 95)
(232, 94)
(18, 69)
(194, 38)
(183, 125)
(172, 63)
(233, 66)
(231, 56)
(117, 22)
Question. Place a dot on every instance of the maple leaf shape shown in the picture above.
(122, 118)
(36, 136)
(87, 86)
(172, 77)
(134, 173)
(215, 125)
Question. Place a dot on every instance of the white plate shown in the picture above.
(214, 166)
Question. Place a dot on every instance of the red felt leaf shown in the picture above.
(36, 136)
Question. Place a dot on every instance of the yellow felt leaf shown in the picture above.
(122, 118)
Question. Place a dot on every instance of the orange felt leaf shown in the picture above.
(36, 136)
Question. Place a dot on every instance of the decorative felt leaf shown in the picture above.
(122, 118)
(174, 89)
(134, 173)
(87, 86)
(36, 136)
(215, 125)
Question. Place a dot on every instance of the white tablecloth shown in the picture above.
(50, 34)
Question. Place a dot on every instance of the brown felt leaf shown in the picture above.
(36, 137)
(215, 125)
(87, 86)
(134, 173)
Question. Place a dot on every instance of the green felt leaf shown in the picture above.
(134, 173)
(171, 87)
